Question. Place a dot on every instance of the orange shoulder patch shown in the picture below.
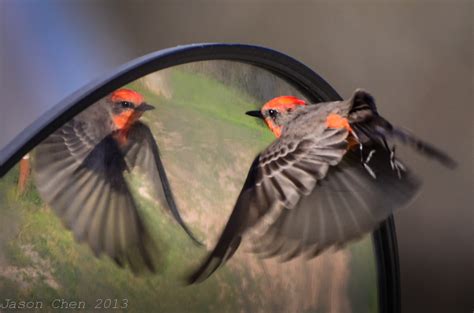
(337, 121)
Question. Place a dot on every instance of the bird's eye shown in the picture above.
(272, 112)
(126, 104)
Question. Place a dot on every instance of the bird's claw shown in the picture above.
(396, 164)
(369, 170)
(366, 161)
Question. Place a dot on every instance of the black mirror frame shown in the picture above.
(291, 70)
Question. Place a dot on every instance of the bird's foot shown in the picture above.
(396, 164)
(365, 162)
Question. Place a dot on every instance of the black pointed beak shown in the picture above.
(144, 107)
(255, 114)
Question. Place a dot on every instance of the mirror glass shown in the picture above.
(206, 145)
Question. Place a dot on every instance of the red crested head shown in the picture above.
(126, 95)
(276, 111)
(127, 107)
(283, 103)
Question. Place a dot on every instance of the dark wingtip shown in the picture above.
(222, 252)
(448, 161)
(184, 226)
(436, 154)
(196, 241)
(194, 278)
(204, 271)
(425, 148)
(170, 198)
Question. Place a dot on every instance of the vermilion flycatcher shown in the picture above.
(80, 174)
(329, 177)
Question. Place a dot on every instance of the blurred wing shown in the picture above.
(80, 176)
(345, 205)
(278, 179)
(144, 154)
(422, 147)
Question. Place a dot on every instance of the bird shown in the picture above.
(81, 170)
(330, 176)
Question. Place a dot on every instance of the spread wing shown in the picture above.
(79, 174)
(279, 178)
(345, 205)
(143, 154)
